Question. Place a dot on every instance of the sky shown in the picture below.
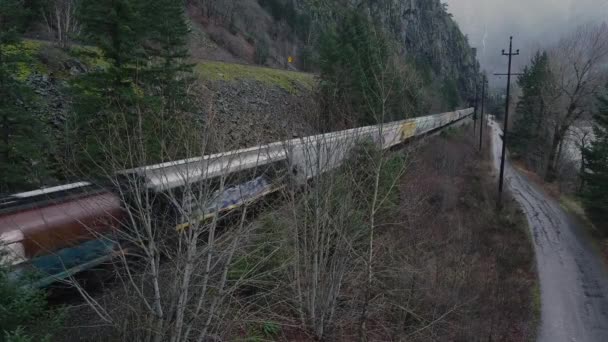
(532, 23)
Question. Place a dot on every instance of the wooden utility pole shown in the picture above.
(483, 98)
(506, 120)
(475, 106)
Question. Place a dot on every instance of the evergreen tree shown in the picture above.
(21, 144)
(595, 194)
(24, 312)
(138, 95)
(167, 76)
(528, 138)
(353, 56)
(104, 97)
(117, 29)
(166, 45)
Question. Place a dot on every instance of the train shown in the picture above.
(60, 231)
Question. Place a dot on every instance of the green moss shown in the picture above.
(26, 52)
(91, 56)
(45, 57)
(287, 80)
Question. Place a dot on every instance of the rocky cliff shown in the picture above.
(268, 32)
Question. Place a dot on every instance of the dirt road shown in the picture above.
(573, 279)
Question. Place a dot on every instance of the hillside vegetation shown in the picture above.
(415, 48)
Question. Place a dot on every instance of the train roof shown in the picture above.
(41, 196)
(174, 174)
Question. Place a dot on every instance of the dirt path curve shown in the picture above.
(573, 279)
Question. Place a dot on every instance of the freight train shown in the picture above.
(59, 231)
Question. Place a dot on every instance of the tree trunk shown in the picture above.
(552, 162)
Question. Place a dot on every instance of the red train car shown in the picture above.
(59, 231)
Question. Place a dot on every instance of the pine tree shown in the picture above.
(106, 99)
(528, 138)
(353, 56)
(22, 157)
(116, 28)
(595, 194)
(167, 47)
(139, 95)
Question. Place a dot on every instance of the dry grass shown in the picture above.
(457, 269)
(447, 265)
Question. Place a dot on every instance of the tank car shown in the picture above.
(53, 233)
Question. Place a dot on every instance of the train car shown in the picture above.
(53, 233)
(190, 191)
(311, 156)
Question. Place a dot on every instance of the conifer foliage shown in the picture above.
(353, 54)
(529, 137)
(362, 76)
(143, 90)
(595, 175)
(22, 156)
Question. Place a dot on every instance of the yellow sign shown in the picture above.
(408, 130)
(290, 59)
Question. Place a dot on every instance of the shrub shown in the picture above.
(24, 315)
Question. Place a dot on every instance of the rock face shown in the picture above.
(269, 31)
(429, 33)
(249, 112)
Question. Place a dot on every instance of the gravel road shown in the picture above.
(573, 278)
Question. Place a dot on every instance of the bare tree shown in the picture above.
(578, 67)
(60, 18)
(174, 280)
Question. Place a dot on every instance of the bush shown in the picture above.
(24, 315)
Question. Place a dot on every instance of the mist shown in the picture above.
(533, 24)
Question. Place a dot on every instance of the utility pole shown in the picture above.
(483, 98)
(506, 121)
(475, 106)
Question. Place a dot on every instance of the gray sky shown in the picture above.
(533, 24)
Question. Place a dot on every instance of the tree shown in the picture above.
(595, 175)
(349, 55)
(529, 136)
(60, 18)
(578, 63)
(21, 144)
(145, 44)
(166, 44)
(356, 60)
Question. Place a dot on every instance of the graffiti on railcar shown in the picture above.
(408, 130)
(230, 197)
(238, 194)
